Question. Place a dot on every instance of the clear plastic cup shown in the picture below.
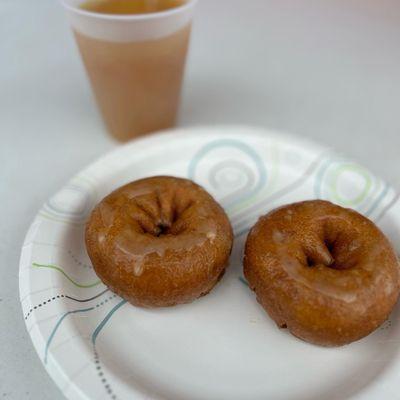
(135, 64)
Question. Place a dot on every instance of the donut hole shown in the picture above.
(310, 262)
(344, 244)
(157, 229)
(329, 254)
(343, 258)
(162, 228)
(317, 251)
(157, 216)
(331, 247)
(319, 257)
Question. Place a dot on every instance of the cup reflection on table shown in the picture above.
(135, 59)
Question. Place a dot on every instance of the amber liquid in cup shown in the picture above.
(130, 6)
(137, 84)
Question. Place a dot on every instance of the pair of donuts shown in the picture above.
(324, 272)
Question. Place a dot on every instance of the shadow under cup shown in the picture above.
(135, 64)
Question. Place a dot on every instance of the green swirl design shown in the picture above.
(61, 271)
(359, 197)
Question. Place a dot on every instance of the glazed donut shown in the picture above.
(324, 272)
(159, 241)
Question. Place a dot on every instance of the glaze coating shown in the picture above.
(326, 273)
(159, 241)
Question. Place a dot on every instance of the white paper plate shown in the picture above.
(222, 346)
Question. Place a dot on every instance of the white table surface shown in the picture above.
(328, 70)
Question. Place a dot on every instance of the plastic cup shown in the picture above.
(135, 64)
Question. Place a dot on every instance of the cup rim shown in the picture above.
(130, 17)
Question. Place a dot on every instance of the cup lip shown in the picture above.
(130, 17)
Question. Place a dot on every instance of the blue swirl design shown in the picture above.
(57, 325)
(378, 200)
(80, 194)
(96, 355)
(105, 320)
(241, 226)
(243, 193)
(385, 210)
(81, 310)
(319, 178)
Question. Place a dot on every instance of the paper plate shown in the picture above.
(222, 346)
